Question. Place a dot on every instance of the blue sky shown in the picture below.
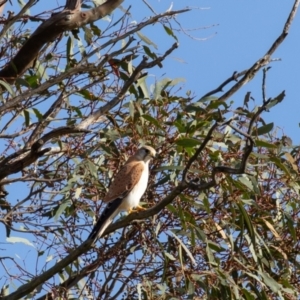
(238, 33)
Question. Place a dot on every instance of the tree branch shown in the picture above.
(49, 31)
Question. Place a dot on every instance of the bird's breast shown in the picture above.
(133, 198)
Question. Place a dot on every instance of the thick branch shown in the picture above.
(49, 31)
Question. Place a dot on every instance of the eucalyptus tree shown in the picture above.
(222, 218)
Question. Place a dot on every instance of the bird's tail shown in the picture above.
(110, 211)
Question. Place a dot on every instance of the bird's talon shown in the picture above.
(138, 208)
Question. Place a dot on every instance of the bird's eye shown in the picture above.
(147, 151)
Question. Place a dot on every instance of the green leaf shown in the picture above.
(247, 221)
(290, 224)
(38, 114)
(141, 83)
(77, 110)
(184, 247)
(270, 282)
(27, 117)
(163, 84)
(210, 256)
(170, 32)
(81, 47)
(251, 247)
(149, 52)
(214, 246)
(70, 48)
(88, 35)
(40, 70)
(146, 40)
(7, 87)
(78, 192)
(250, 182)
(206, 204)
(248, 295)
(189, 143)
(264, 129)
(280, 165)
(260, 143)
(170, 256)
(31, 81)
(96, 31)
(166, 168)
(152, 120)
(87, 95)
(61, 209)
(93, 168)
(139, 290)
(131, 109)
(276, 100)
(4, 290)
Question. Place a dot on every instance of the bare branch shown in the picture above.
(137, 28)
(234, 77)
(74, 5)
(251, 72)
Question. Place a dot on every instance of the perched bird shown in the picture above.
(126, 190)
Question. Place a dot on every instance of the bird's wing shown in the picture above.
(123, 183)
(107, 216)
(125, 180)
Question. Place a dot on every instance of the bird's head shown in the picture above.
(146, 153)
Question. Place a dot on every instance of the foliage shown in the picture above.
(223, 197)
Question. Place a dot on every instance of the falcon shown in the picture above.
(126, 190)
